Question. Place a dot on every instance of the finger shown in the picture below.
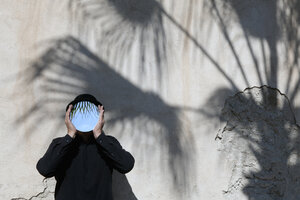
(68, 112)
(70, 109)
(66, 115)
(99, 108)
(101, 116)
(102, 111)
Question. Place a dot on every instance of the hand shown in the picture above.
(98, 128)
(70, 126)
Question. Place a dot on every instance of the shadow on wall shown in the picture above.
(67, 67)
(269, 21)
(121, 188)
(256, 19)
(261, 143)
(261, 137)
(70, 59)
(132, 29)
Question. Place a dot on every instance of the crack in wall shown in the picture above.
(46, 194)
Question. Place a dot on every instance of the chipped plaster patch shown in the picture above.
(261, 142)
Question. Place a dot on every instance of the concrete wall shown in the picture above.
(167, 72)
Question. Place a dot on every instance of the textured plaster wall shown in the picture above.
(261, 145)
(182, 84)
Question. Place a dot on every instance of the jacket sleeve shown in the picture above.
(121, 159)
(59, 147)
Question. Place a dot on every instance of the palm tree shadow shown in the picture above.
(67, 67)
(257, 173)
(262, 142)
(125, 28)
(270, 22)
(258, 20)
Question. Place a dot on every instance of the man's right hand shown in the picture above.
(70, 126)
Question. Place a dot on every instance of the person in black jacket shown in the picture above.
(83, 163)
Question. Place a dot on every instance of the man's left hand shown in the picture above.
(99, 126)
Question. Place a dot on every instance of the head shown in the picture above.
(84, 97)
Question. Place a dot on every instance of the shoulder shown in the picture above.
(112, 139)
(58, 139)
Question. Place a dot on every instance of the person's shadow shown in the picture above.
(121, 188)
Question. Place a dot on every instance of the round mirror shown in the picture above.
(84, 115)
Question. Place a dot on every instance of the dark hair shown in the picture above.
(84, 97)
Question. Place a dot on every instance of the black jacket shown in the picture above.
(83, 170)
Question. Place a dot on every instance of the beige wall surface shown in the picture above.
(167, 72)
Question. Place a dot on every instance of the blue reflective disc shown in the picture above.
(84, 115)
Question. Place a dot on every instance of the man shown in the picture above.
(83, 163)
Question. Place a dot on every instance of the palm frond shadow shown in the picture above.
(132, 29)
(267, 177)
(69, 68)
